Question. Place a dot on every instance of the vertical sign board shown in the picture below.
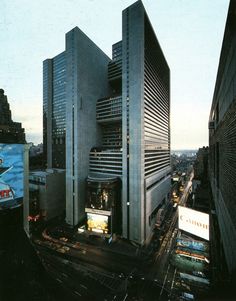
(11, 175)
(194, 222)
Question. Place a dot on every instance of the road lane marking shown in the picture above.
(77, 293)
(172, 284)
(164, 280)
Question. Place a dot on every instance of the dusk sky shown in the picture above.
(190, 33)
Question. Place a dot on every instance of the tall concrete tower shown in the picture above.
(145, 124)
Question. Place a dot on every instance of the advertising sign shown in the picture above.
(192, 244)
(97, 223)
(194, 222)
(11, 175)
(98, 211)
(194, 279)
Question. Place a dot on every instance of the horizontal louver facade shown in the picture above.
(106, 162)
(109, 109)
(156, 106)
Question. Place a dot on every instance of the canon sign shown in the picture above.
(194, 222)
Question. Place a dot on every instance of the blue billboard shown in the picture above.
(192, 244)
(11, 175)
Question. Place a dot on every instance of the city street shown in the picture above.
(125, 274)
(162, 271)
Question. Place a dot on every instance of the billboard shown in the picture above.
(97, 211)
(194, 222)
(11, 175)
(97, 223)
(192, 244)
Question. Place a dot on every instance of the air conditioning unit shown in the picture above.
(211, 125)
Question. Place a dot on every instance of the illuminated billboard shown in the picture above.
(192, 244)
(97, 223)
(194, 222)
(11, 175)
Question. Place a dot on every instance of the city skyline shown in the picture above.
(190, 35)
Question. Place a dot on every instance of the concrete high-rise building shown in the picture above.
(222, 141)
(10, 131)
(117, 124)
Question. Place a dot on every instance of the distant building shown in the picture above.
(108, 122)
(222, 141)
(36, 150)
(10, 131)
(201, 162)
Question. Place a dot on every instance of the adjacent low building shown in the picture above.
(46, 194)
